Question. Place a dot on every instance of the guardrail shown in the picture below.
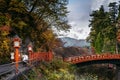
(9, 70)
(6, 68)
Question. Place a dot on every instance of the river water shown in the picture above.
(96, 72)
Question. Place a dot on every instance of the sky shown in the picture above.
(78, 17)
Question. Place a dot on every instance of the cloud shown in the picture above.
(97, 3)
(77, 33)
(79, 10)
(79, 16)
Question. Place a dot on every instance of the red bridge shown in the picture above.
(88, 59)
(91, 59)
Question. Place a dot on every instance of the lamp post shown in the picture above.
(16, 46)
(30, 50)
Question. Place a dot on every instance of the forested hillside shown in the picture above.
(32, 21)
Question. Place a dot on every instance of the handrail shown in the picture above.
(78, 59)
(7, 64)
(6, 72)
(7, 68)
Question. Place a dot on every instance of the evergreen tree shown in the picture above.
(97, 24)
(104, 24)
(99, 44)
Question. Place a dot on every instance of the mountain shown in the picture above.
(72, 47)
(69, 42)
(70, 51)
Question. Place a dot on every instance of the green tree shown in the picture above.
(113, 16)
(104, 23)
(99, 44)
(97, 24)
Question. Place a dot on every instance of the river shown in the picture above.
(96, 72)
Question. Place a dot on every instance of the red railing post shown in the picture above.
(50, 56)
(30, 57)
(30, 51)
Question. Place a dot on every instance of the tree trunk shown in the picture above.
(116, 47)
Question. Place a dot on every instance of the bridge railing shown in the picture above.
(10, 67)
(78, 59)
(40, 56)
(4, 69)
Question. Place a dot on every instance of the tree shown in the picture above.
(97, 24)
(34, 19)
(99, 44)
(113, 15)
(105, 23)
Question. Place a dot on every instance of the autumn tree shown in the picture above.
(34, 19)
(4, 39)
